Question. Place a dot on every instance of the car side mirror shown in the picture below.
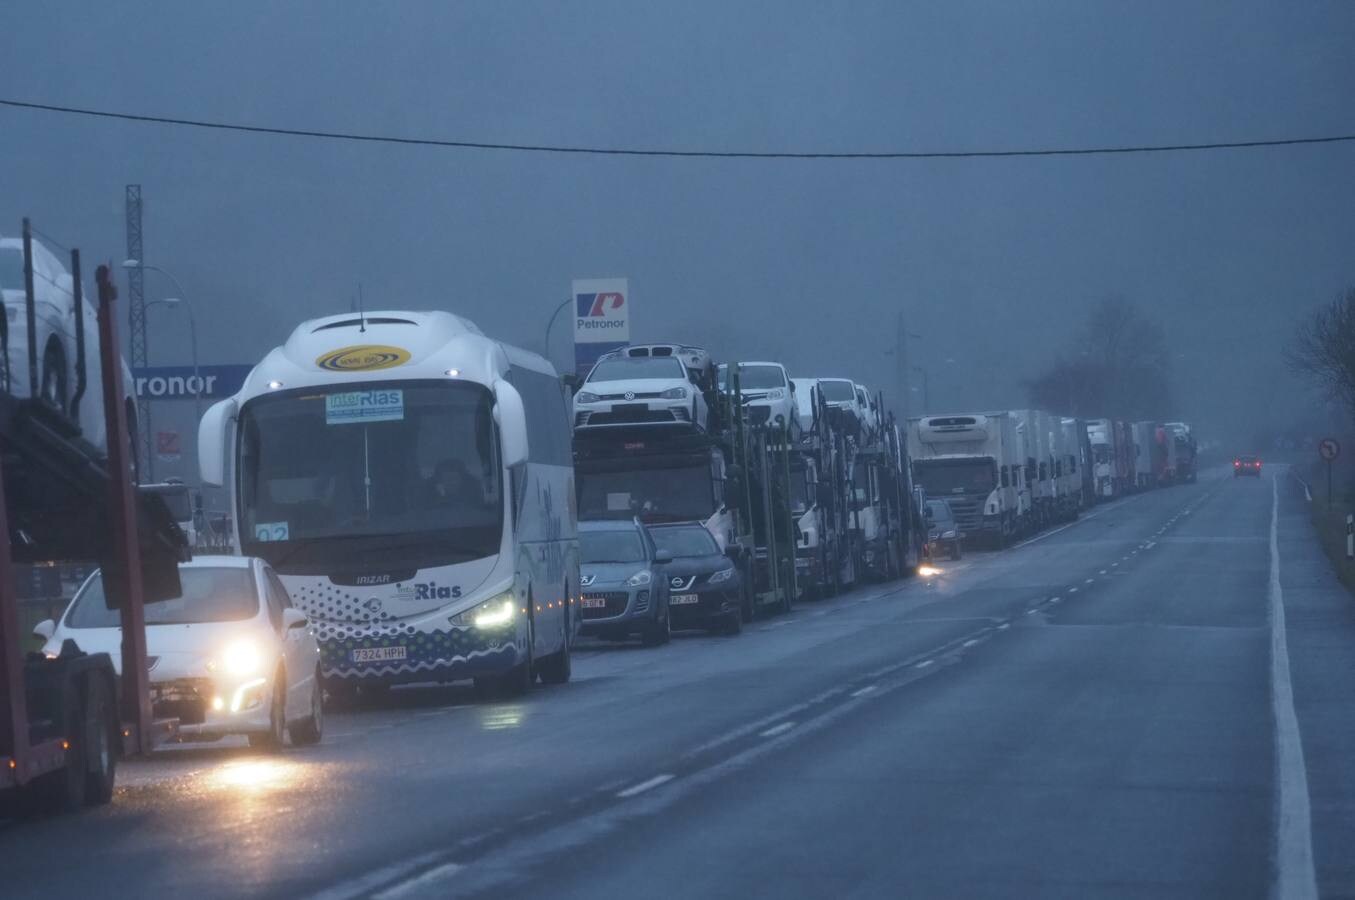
(45, 629)
(663, 558)
(293, 618)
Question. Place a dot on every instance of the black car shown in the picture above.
(943, 532)
(703, 585)
(1247, 465)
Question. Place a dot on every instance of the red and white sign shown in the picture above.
(167, 444)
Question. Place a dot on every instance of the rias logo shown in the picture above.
(363, 358)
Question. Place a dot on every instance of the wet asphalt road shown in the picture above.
(1086, 715)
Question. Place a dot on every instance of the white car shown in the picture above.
(841, 393)
(54, 315)
(230, 655)
(627, 390)
(768, 394)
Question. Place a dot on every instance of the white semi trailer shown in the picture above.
(977, 462)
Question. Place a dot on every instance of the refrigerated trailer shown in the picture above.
(65, 720)
(974, 461)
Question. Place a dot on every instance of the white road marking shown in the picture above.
(861, 692)
(777, 729)
(1295, 873)
(645, 786)
(1089, 581)
(924, 664)
(1072, 590)
(363, 885)
(972, 642)
(1031, 612)
(1055, 599)
(1004, 626)
(419, 882)
(1103, 571)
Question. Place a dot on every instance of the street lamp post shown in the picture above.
(555, 315)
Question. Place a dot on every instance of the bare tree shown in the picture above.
(1120, 367)
(1323, 349)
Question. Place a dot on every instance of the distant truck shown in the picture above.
(1112, 445)
(1183, 440)
(1149, 459)
(976, 462)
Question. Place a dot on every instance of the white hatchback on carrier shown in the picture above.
(229, 655)
(626, 390)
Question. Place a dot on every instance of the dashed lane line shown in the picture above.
(648, 785)
(777, 730)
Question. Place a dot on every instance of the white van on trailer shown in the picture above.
(412, 482)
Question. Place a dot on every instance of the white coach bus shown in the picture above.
(412, 482)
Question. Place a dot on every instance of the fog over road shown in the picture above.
(1086, 715)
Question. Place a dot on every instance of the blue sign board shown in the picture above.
(179, 382)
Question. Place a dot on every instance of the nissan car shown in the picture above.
(703, 584)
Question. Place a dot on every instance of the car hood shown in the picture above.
(636, 385)
(608, 573)
(172, 651)
(686, 566)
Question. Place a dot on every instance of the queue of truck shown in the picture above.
(1008, 474)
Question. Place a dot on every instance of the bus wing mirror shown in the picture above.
(512, 421)
(212, 442)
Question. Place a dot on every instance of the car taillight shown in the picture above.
(1237, 463)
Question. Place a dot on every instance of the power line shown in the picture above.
(683, 154)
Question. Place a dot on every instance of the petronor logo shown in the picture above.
(363, 358)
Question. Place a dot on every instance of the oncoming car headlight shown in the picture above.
(585, 397)
(678, 393)
(722, 575)
(495, 612)
(639, 578)
(240, 657)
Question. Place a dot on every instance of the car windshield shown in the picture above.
(940, 510)
(209, 594)
(380, 466)
(685, 540)
(627, 368)
(756, 378)
(837, 391)
(611, 547)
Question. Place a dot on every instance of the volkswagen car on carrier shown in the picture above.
(637, 386)
(411, 481)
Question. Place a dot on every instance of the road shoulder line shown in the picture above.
(1295, 872)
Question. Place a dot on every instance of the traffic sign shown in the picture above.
(1329, 449)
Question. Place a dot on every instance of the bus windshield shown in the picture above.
(655, 495)
(400, 467)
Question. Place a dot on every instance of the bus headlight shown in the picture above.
(495, 612)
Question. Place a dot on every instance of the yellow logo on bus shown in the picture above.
(363, 358)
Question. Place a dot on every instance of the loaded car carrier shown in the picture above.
(65, 720)
(734, 477)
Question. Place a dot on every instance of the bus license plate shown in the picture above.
(593, 602)
(377, 654)
(680, 599)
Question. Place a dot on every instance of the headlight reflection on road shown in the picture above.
(255, 775)
(501, 718)
(929, 571)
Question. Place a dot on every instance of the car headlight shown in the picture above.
(239, 658)
(495, 612)
(678, 393)
(776, 394)
(639, 578)
(722, 576)
(585, 397)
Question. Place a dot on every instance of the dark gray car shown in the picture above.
(624, 591)
(943, 532)
(703, 584)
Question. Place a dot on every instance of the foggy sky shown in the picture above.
(993, 261)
